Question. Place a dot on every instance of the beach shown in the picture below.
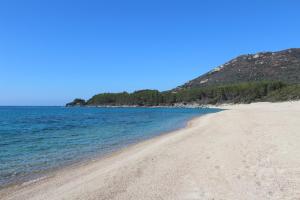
(249, 151)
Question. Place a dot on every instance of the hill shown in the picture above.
(264, 66)
(265, 76)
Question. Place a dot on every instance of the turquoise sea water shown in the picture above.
(36, 139)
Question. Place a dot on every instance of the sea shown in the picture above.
(36, 140)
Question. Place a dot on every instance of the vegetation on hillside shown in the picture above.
(264, 66)
(288, 93)
(245, 79)
(139, 98)
(233, 93)
(77, 102)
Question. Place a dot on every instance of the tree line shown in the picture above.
(235, 93)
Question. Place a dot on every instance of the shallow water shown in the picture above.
(36, 139)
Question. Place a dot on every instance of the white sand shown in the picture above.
(249, 152)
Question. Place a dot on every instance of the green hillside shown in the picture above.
(267, 76)
(264, 66)
(233, 93)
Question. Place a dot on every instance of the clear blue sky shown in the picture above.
(52, 51)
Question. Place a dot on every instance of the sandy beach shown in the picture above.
(244, 152)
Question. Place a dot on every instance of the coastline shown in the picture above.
(178, 105)
(192, 162)
(45, 174)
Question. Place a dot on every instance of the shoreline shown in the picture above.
(214, 156)
(36, 177)
(99, 158)
(137, 106)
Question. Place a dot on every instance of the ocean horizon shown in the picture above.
(37, 139)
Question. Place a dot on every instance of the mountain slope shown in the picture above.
(266, 76)
(265, 66)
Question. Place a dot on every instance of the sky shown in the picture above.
(52, 51)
